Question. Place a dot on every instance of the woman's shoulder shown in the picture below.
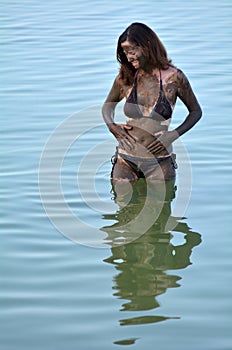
(172, 70)
(118, 80)
(120, 83)
(169, 74)
(174, 74)
(181, 78)
(119, 89)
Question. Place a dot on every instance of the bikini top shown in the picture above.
(161, 111)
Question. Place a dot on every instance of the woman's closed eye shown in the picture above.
(130, 50)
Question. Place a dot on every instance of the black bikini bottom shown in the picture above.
(142, 166)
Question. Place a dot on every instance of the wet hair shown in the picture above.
(141, 35)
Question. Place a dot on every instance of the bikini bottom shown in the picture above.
(143, 167)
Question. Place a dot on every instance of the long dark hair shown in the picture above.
(141, 35)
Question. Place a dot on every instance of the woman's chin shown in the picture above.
(135, 64)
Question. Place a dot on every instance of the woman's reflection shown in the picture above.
(142, 263)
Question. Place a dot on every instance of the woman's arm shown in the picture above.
(118, 130)
(108, 108)
(187, 96)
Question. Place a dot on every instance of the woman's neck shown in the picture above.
(154, 72)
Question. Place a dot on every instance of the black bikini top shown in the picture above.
(162, 109)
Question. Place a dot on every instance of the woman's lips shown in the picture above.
(135, 63)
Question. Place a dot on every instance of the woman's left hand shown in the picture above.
(162, 142)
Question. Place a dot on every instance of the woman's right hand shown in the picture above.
(120, 132)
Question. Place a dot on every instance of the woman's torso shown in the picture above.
(148, 108)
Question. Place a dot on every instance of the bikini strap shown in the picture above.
(161, 83)
(134, 88)
(135, 79)
(132, 98)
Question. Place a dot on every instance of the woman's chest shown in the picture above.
(147, 91)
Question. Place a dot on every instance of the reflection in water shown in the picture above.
(142, 263)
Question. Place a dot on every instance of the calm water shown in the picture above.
(67, 281)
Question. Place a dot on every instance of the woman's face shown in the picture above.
(134, 54)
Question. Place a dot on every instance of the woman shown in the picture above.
(151, 85)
